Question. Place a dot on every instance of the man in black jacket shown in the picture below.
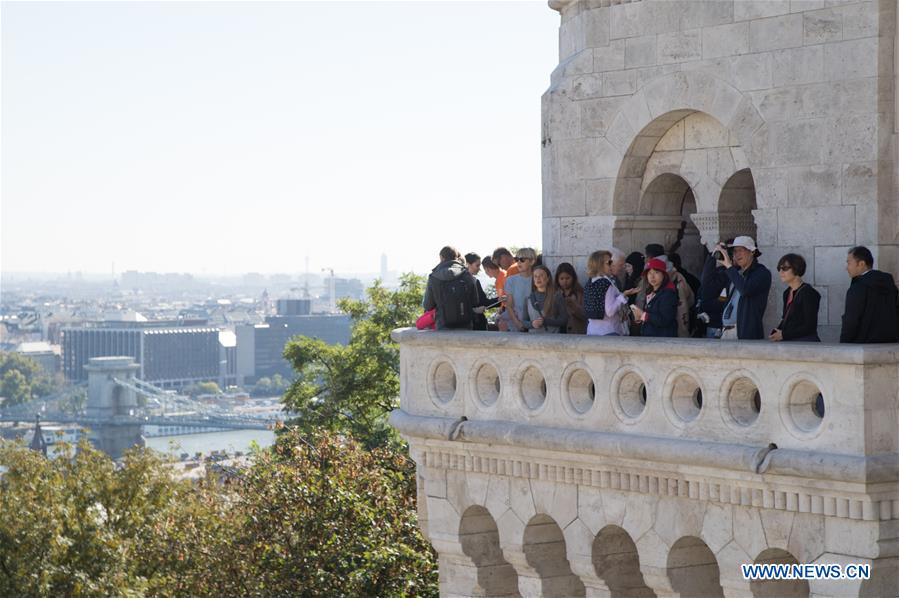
(452, 290)
(753, 281)
(871, 312)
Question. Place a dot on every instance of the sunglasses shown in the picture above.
(522, 259)
(784, 268)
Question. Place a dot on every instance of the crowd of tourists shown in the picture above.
(652, 294)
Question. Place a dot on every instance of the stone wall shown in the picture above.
(793, 96)
(565, 466)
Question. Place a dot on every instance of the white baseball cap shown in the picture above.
(746, 242)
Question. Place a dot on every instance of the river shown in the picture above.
(230, 441)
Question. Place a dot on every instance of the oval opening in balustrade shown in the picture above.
(744, 402)
(631, 395)
(806, 406)
(487, 384)
(443, 382)
(532, 387)
(686, 398)
(581, 391)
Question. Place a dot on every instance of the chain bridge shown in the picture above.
(120, 404)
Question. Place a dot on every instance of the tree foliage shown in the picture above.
(22, 379)
(266, 386)
(203, 388)
(316, 516)
(352, 388)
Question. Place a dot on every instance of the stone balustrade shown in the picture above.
(627, 462)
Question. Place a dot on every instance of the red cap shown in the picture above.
(655, 264)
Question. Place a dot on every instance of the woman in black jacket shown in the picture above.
(659, 315)
(801, 301)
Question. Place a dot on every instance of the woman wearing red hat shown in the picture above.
(659, 314)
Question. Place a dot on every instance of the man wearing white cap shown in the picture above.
(752, 281)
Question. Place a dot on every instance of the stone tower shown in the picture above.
(700, 120)
(111, 404)
(564, 465)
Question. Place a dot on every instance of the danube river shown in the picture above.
(230, 441)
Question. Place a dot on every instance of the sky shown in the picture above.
(227, 137)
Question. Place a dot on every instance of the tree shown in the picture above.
(203, 388)
(316, 516)
(352, 388)
(15, 388)
(22, 379)
(79, 526)
(322, 516)
(263, 387)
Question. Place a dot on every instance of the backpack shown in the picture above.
(456, 305)
(595, 298)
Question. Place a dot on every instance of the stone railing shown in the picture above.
(752, 427)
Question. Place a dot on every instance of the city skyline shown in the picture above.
(226, 138)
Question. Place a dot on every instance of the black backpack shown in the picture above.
(456, 305)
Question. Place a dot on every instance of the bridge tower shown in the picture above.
(112, 404)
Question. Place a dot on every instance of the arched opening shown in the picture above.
(618, 564)
(544, 550)
(480, 542)
(693, 570)
(781, 588)
(670, 195)
(735, 206)
(684, 183)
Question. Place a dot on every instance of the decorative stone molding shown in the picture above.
(672, 471)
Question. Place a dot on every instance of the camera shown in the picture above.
(718, 255)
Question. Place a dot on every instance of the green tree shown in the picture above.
(352, 388)
(263, 387)
(279, 384)
(15, 388)
(80, 526)
(323, 516)
(73, 400)
(22, 379)
(203, 388)
(314, 516)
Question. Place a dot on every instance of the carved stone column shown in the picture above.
(714, 227)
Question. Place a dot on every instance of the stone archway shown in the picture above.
(793, 588)
(693, 569)
(617, 563)
(479, 538)
(681, 184)
(734, 213)
(689, 124)
(669, 202)
(545, 551)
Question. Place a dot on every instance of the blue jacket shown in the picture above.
(753, 285)
(661, 314)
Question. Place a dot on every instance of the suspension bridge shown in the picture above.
(119, 404)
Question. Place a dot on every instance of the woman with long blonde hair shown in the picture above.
(604, 304)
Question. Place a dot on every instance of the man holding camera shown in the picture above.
(752, 281)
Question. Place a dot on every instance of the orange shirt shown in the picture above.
(500, 283)
(513, 269)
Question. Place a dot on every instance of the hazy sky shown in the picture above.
(232, 137)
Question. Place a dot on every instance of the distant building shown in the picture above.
(351, 288)
(294, 307)
(260, 347)
(45, 354)
(170, 355)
